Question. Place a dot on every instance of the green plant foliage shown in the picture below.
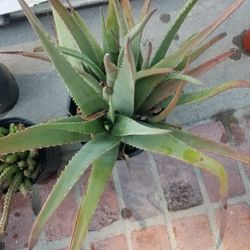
(168, 39)
(124, 86)
(121, 99)
(77, 28)
(167, 88)
(17, 172)
(101, 171)
(90, 152)
(171, 146)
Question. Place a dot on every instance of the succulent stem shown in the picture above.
(7, 173)
(7, 201)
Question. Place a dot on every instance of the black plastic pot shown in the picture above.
(9, 91)
(129, 150)
(71, 106)
(49, 159)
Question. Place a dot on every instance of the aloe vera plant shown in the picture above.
(17, 173)
(123, 97)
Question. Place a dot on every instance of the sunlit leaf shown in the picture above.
(90, 152)
(100, 173)
(171, 146)
(173, 60)
(81, 34)
(124, 87)
(168, 88)
(125, 4)
(126, 126)
(39, 136)
(121, 19)
(204, 94)
(65, 38)
(204, 144)
(110, 30)
(84, 94)
(200, 50)
(85, 61)
(169, 37)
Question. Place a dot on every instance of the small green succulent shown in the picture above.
(124, 97)
(17, 172)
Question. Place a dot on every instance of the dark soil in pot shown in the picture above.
(9, 91)
(49, 159)
(128, 150)
(71, 106)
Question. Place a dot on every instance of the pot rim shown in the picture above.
(42, 152)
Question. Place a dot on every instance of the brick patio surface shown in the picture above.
(154, 202)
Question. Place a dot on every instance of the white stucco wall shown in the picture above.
(7, 6)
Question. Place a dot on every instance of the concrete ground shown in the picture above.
(180, 208)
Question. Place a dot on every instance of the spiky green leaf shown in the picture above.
(90, 152)
(100, 173)
(124, 87)
(170, 107)
(182, 77)
(27, 54)
(111, 71)
(85, 61)
(204, 144)
(200, 50)
(120, 17)
(65, 38)
(126, 7)
(87, 127)
(110, 31)
(173, 60)
(169, 37)
(171, 146)
(83, 37)
(126, 126)
(66, 119)
(204, 94)
(135, 36)
(145, 8)
(38, 136)
(152, 72)
(84, 94)
(167, 88)
(147, 58)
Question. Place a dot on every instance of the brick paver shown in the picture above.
(193, 233)
(107, 210)
(60, 224)
(235, 187)
(20, 223)
(215, 131)
(236, 235)
(152, 238)
(179, 183)
(139, 191)
(115, 243)
(240, 130)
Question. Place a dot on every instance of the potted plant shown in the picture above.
(20, 170)
(8, 89)
(123, 97)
